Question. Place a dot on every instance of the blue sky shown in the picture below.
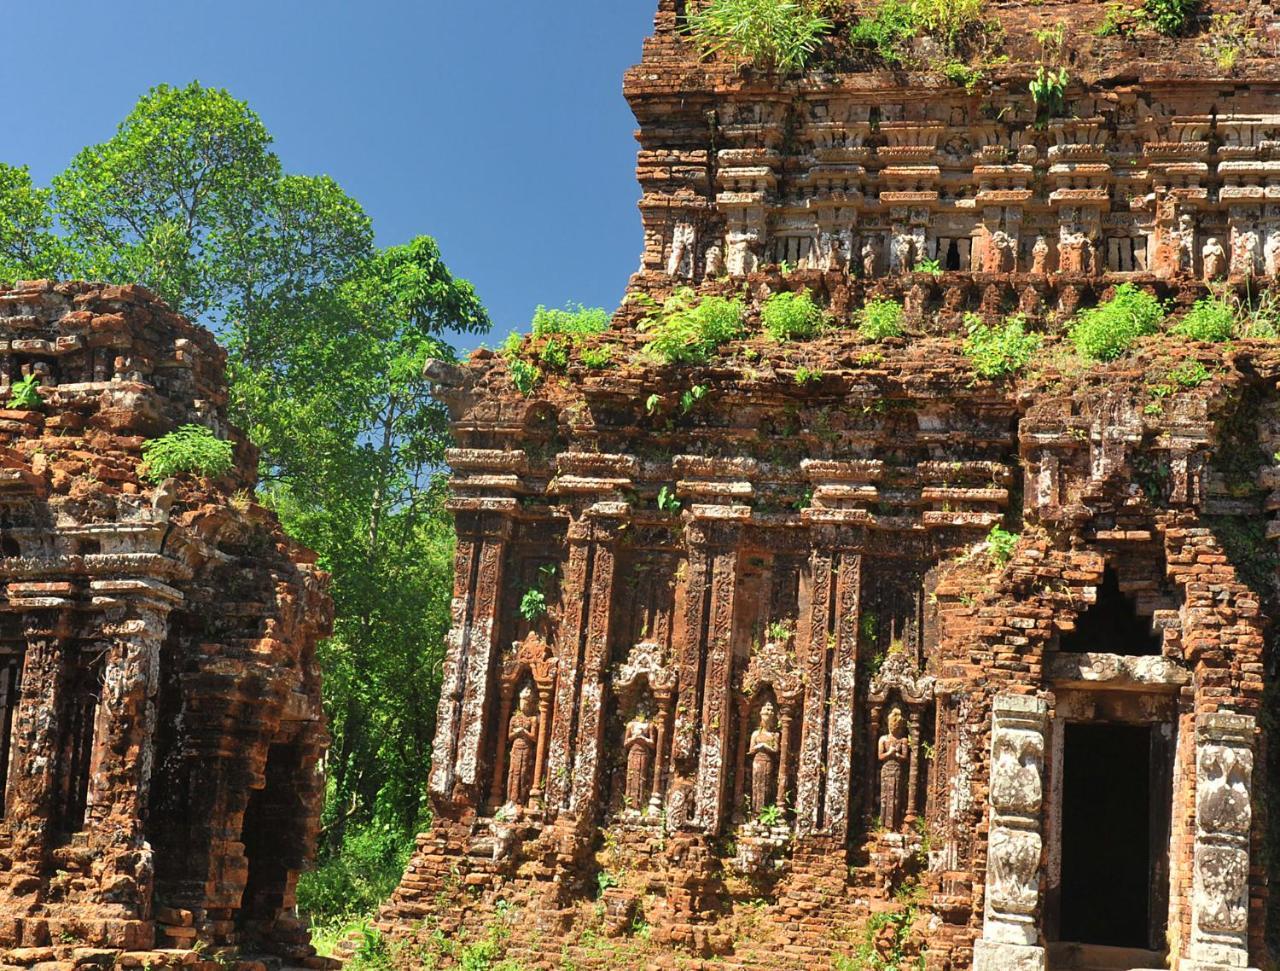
(497, 126)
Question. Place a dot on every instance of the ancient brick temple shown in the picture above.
(789, 702)
(160, 718)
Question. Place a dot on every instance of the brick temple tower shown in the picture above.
(160, 716)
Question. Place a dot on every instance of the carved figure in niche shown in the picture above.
(1214, 258)
(1271, 253)
(715, 261)
(639, 743)
(1040, 256)
(900, 259)
(1244, 254)
(1186, 240)
(869, 258)
(1000, 255)
(522, 740)
(764, 758)
(893, 751)
(741, 259)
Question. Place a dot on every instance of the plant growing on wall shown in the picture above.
(771, 34)
(533, 605)
(1209, 319)
(1104, 332)
(1049, 90)
(689, 330)
(23, 394)
(881, 319)
(999, 352)
(886, 31)
(189, 449)
(792, 316)
(1000, 545)
(1169, 17)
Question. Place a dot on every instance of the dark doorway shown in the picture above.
(1107, 836)
(1112, 625)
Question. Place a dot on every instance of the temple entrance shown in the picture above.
(1115, 804)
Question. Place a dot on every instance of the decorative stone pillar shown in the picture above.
(1224, 793)
(484, 526)
(37, 724)
(1010, 935)
(573, 761)
(716, 704)
(120, 767)
(824, 777)
(663, 696)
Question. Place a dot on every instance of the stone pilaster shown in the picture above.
(484, 527)
(1010, 935)
(606, 519)
(36, 729)
(1224, 794)
(716, 641)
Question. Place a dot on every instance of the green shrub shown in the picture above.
(1169, 17)
(512, 344)
(881, 319)
(191, 448)
(1189, 374)
(686, 330)
(354, 881)
(23, 395)
(1110, 329)
(781, 34)
(524, 376)
(948, 19)
(1210, 319)
(578, 322)
(998, 352)
(597, 358)
(555, 354)
(533, 605)
(1000, 545)
(792, 316)
(887, 32)
(1049, 91)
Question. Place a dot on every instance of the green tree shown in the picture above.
(29, 249)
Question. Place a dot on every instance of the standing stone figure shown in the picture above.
(893, 751)
(714, 261)
(869, 258)
(900, 256)
(638, 743)
(1186, 237)
(522, 737)
(764, 758)
(1215, 259)
(1040, 256)
(1244, 254)
(1271, 253)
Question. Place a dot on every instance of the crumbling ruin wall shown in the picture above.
(788, 700)
(160, 711)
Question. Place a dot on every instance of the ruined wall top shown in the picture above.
(1157, 156)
